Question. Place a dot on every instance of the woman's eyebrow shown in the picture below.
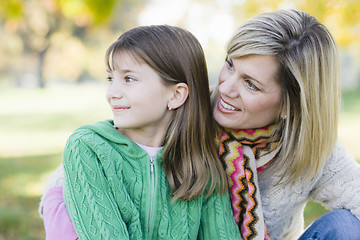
(253, 79)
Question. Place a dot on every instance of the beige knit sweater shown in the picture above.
(337, 185)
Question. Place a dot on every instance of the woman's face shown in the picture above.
(249, 95)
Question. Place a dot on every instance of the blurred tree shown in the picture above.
(37, 21)
(61, 38)
(342, 17)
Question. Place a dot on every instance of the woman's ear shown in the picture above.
(283, 114)
(180, 94)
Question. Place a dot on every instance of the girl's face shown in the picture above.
(249, 95)
(139, 99)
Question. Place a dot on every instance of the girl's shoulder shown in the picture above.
(103, 137)
(99, 131)
(102, 127)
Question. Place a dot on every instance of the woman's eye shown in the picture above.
(229, 63)
(251, 86)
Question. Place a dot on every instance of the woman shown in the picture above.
(277, 103)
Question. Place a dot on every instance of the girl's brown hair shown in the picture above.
(190, 159)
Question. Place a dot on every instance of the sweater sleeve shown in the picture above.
(339, 185)
(57, 223)
(217, 220)
(87, 193)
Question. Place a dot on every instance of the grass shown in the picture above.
(21, 182)
(34, 126)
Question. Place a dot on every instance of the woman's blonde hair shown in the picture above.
(309, 75)
(191, 162)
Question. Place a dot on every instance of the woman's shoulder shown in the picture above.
(340, 156)
(339, 163)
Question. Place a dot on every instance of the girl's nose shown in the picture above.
(114, 90)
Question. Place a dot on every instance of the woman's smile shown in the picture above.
(226, 107)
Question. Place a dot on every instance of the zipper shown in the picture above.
(152, 159)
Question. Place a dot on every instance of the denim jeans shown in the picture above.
(335, 225)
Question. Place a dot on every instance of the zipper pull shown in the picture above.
(152, 164)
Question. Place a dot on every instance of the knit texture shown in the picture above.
(108, 193)
(246, 152)
(337, 185)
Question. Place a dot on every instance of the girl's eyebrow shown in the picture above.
(123, 71)
(126, 70)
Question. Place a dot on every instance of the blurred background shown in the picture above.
(52, 78)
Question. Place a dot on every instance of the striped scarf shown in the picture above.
(246, 153)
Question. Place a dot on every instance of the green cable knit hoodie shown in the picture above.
(112, 192)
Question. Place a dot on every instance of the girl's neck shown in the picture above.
(152, 151)
(147, 138)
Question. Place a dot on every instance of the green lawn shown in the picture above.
(34, 126)
(21, 181)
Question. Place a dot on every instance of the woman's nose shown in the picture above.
(227, 86)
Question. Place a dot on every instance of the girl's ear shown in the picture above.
(180, 94)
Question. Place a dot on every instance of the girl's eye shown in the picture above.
(130, 79)
(251, 86)
(229, 64)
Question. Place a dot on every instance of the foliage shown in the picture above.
(11, 9)
(64, 40)
(341, 17)
(351, 101)
(35, 27)
(312, 212)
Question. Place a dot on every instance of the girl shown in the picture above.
(278, 104)
(152, 172)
